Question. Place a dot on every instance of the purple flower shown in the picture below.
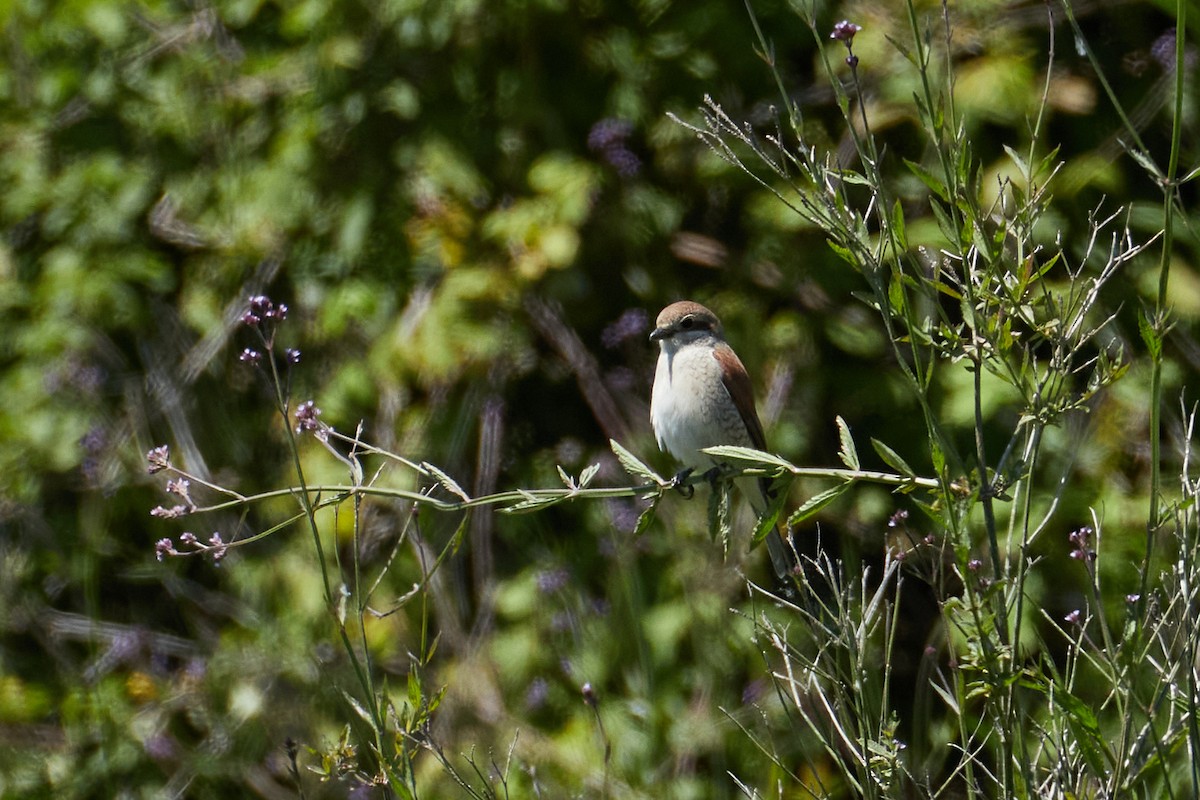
(1074, 617)
(251, 357)
(608, 138)
(216, 547)
(164, 548)
(260, 305)
(844, 32)
(168, 513)
(159, 459)
(306, 417)
(632, 323)
(261, 308)
(1082, 539)
(292, 355)
(553, 580)
(624, 161)
(608, 132)
(1163, 51)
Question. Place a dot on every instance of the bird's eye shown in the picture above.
(687, 322)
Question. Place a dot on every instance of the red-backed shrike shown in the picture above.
(703, 398)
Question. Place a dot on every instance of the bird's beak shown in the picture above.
(658, 334)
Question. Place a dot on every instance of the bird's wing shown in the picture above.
(737, 383)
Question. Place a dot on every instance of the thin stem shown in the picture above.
(341, 491)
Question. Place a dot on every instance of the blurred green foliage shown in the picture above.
(466, 206)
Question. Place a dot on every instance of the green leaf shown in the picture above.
(816, 503)
(945, 224)
(1020, 162)
(435, 701)
(896, 295)
(531, 503)
(848, 453)
(358, 707)
(770, 518)
(946, 289)
(1190, 176)
(646, 517)
(632, 464)
(414, 688)
(843, 252)
(1150, 336)
(750, 456)
(934, 184)
(939, 460)
(898, 229)
(589, 472)
(567, 480)
(718, 513)
(1086, 729)
(854, 178)
(892, 458)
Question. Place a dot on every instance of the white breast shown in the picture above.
(690, 408)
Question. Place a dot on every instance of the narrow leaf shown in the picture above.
(1020, 162)
(848, 454)
(843, 252)
(748, 455)
(414, 688)
(770, 517)
(589, 472)
(933, 183)
(816, 503)
(358, 707)
(564, 477)
(1082, 721)
(898, 226)
(1150, 336)
(896, 295)
(892, 459)
(945, 224)
(946, 289)
(1190, 176)
(646, 517)
(532, 504)
(632, 464)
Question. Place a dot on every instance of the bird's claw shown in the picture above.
(677, 483)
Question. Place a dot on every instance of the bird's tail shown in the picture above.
(783, 556)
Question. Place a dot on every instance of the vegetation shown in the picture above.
(325, 465)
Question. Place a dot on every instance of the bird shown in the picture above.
(703, 397)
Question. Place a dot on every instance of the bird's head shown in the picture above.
(683, 322)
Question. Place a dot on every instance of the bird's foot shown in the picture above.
(715, 474)
(677, 483)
